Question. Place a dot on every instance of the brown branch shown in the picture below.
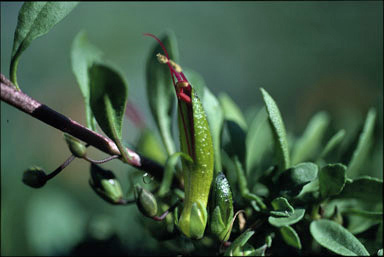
(25, 103)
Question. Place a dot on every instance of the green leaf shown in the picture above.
(294, 179)
(212, 108)
(160, 90)
(290, 236)
(236, 127)
(278, 129)
(83, 56)
(150, 146)
(366, 189)
(281, 207)
(375, 216)
(108, 98)
(336, 238)
(258, 138)
(170, 166)
(35, 19)
(231, 111)
(307, 146)
(333, 143)
(238, 243)
(297, 215)
(363, 146)
(332, 179)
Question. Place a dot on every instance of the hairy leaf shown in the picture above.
(83, 56)
(310, 142)
(108, 98)
(160, 90)
(336, 238)
(278, 129)
(297, 215)
(35, 19)
(364, 145)
(290, 236)
(332, 179)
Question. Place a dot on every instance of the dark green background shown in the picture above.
(310, 56)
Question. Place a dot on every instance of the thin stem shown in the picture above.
(162, 216)
(25, 103)
(103, 160)
(60, 168)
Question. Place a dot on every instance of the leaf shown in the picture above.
(236, 127)
(294, 179)
(332, 179)
(375, 216)
(310, 142)
(150, 146)
(336, 238)
(278, 129)
(108, 98)
(170, 166)
(239, 242)
(160, 90)
(231, 111)
(35, 19)
(333, 143)
(258, 138)
(363, 146)
(297, 215)
(212, 108)
(365, 189)
(83, 56)
(281, 207)
(290, 236)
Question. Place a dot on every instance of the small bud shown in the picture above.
(106, 185)
(146, 202)
(222, 207)
(75, 146)
(34, 177)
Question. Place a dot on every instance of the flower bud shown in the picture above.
(222, 208)
(75, 146)
(34, 177)
(146, 202)
(105, 184)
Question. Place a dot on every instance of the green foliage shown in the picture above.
(35, 19)
(301, 204)
(334, 237)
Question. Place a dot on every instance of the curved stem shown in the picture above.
(60, 168)
(25, 103)
(162, 216)
(103, 160)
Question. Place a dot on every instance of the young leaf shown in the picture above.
(108, 98)
(160, 89)
(259, 136)
(239, 242)
(35, 19)
(333, 143)
(294, 179)
(365, 142)
(169, 169)
(336, 238)
(332, 179)
(290, 236)
(236, 127)
(281, 207)
(278, 129)
(232, 111)
(309, 143)
(297, 215)
(83, 56)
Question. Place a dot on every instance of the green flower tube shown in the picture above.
(196, 142)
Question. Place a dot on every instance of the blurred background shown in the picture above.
(309, 56)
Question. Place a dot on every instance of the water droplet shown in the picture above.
(147, 179)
